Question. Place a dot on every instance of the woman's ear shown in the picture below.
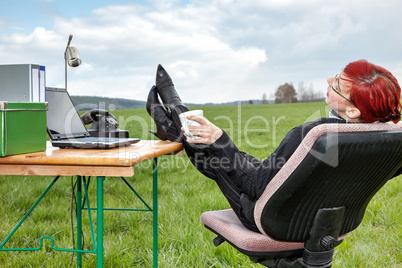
(352, 112)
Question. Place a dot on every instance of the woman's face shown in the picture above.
(338, 95)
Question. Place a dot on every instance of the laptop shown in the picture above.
(66, 129)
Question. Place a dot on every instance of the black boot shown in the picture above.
(166, 90)
(165, 129)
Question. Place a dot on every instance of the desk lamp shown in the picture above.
(71, 56)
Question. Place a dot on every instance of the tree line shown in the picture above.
(287, 93)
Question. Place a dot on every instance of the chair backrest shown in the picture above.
(337, 165)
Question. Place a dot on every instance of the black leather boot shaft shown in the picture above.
(158, 114)
(166, 89)
(166, 128)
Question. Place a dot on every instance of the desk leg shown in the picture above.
(79, 221)
(155, 211)
(99, 221)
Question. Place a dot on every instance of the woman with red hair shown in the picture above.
(373, 90)
(362, 92)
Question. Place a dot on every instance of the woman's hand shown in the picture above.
(207, 132)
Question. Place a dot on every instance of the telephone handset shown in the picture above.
(97, 115)
(104, 124)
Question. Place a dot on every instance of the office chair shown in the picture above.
(318, 196)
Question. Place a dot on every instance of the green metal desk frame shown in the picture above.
(98, 241)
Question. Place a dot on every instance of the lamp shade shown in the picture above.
(73, 57)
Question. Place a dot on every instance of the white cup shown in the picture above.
(186, 122)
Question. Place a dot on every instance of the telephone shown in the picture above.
(104, 124)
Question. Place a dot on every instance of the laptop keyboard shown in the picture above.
(96, 140)
(101, 139)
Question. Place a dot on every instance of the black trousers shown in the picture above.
(199, 156)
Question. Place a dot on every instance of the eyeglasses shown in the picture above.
(338, 92)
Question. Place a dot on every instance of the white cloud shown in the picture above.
(215, 51)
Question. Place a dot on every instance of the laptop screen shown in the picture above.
(63, 120)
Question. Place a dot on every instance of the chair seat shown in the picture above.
(226, 225)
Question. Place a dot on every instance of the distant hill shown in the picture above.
(233, 103)
(107, 103)
(92, 102)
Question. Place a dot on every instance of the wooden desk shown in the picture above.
(117, 162)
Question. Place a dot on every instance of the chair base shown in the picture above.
(290, 263)
(285, 259)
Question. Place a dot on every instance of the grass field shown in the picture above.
(184, 194)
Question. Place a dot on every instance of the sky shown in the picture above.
(214, 50)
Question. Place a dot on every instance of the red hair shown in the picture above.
(375, 92)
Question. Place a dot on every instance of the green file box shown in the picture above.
(23, 127)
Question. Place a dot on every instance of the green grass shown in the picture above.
(184, 194)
